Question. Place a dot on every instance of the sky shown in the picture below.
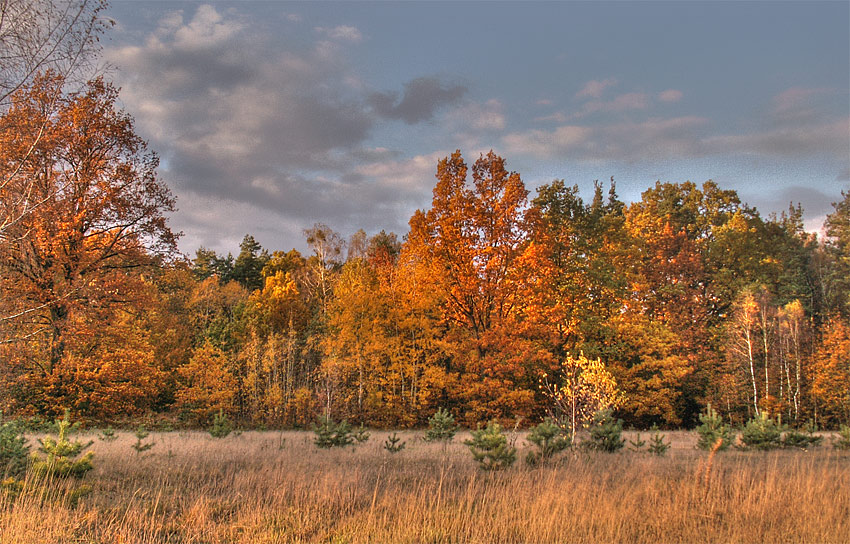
(270, 117)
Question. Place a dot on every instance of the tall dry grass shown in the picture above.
(192, 488)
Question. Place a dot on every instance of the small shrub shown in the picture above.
(606, 432)
(803, 440)
(393, 443)
(712, 429)
(657, 446)
(761, 433)
(360, 434)
(221, 426)
(637, 444)
(11, 488)
(441, 427)
(549, 440)
(841, 441)
(62, 456)
(330, 434)
(490, 449)
(140, 446)
(14, 450)
(107, 435)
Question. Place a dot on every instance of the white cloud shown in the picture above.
(342, 33)
(670, 95)
(797, 98)
(564, 140)
(479, 117)
(206, 29)
(633, 141)
(831, 139)
(623, 102)
(594, 88)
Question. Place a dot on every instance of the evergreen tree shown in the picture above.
(221, 426)
(63, 458)
(549, 440)
(248, 267)
(606, 432)
(490, 449)
(13, 450)
(441, 427)
(712, 429)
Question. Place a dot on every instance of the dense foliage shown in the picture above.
(496, 305)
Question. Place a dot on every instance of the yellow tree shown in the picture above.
(792, 330)
(580, 388)
(208, 384)
(743, 340)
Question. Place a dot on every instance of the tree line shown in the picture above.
(687, 296)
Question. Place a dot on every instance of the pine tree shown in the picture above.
(637, 444)
(13, 450)
(141, 433)
(712, 429)
(490, 449)
(221, 426)
(762, 433)
(657, 445)
(330, 434)
(549, 440)
(393, 443)
(107, 435)
(841, 441)
(441, 427)
(62, 456)
(606, 432)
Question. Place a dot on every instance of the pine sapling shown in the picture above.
(606, 432)
(441, 427)
(62, 456)
(712, 429)
(14, 450)
(360, 434)
(221, 426)
(657, 446)
(802, 439)
(330, 434)
(393, 444)
(549, 440)
(490, 449)
(107, 435)
(140, 446)
(761, 433)
(637, 444)
(841, 441)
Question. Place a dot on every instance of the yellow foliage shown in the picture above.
(582, 387)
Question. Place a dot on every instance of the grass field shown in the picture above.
(254, 488)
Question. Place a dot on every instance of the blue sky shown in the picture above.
(271, 116)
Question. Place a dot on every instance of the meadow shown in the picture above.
(265, 487)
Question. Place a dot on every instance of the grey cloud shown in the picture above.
(263, 137)
(653, 139)
(421, 99)
(816, 203)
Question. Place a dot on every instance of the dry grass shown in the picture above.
(195, 489)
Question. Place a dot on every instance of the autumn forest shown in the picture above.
(688, 296)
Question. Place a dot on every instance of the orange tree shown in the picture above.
(75, 258)
(469, 243)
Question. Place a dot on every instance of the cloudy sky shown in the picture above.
(272, 116)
